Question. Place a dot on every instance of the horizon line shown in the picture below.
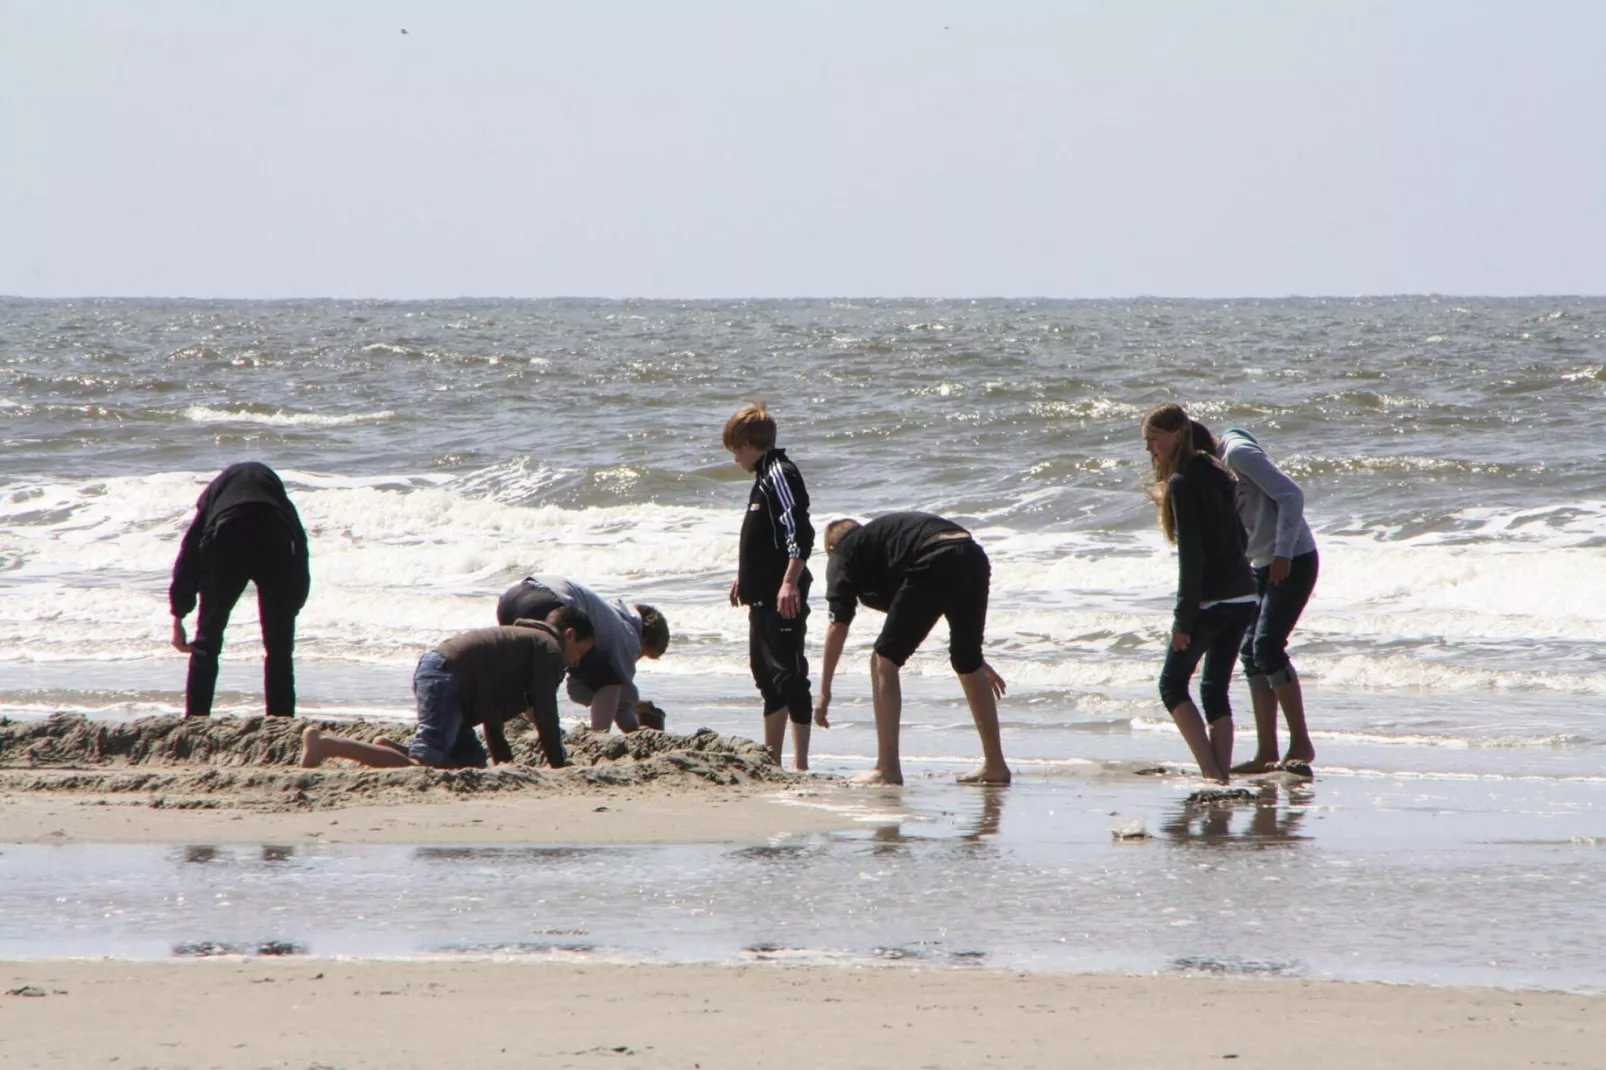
(1427, 294)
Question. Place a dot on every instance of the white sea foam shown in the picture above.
(400, 560)
(205, 415)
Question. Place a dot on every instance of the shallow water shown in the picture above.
(1437, 882)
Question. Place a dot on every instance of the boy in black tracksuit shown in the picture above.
(245, 531)
(772, 579)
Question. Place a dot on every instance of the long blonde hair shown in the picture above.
(1169, 418)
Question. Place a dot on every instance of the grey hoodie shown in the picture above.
(618, 629)
(1271, 506)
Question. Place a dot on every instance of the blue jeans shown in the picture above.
(442, 739)
(1265, 650)
(1216, 634)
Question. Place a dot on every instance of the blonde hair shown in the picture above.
(1171, 419)
(750, 425)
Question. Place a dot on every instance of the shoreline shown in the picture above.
(724, 814)
(237, 1014)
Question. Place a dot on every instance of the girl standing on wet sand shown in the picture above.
(1195, 496)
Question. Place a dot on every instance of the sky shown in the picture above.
(695, 149)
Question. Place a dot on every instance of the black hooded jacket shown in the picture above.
(1211, 566)
(249, 492)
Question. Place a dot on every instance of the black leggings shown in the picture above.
(247, 550)
(1217, 631)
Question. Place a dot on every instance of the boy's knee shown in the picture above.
(966, 662)
(896, 654)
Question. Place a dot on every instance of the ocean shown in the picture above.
(1452, 655)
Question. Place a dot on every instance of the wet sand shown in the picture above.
(236, 1015)
(733, 814)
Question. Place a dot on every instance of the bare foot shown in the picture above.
(392, 744)
(1301, 754)
(311, 748)
(876, 776)
(985, 775)
(1257, 764)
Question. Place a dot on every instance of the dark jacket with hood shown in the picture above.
(246, 493)
(1211, 566)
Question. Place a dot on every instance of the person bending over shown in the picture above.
(605, 679)
(1283, 558)
(1194, 495)
(245, 530)
(481, 677)
(915, 567)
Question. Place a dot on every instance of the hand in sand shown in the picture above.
(181, 642)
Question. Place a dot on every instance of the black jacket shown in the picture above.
(869, 563)
(1211, 565)
(775, 530)
(247, 491)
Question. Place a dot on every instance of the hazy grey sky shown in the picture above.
(697, 149)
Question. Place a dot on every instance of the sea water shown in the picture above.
(440, 451)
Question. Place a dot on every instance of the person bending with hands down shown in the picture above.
(915, 567)
(1195, 497)
(605, 679)
(245, 530)
(481, 677)
(1283, 558)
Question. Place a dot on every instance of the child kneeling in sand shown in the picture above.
(481, 677)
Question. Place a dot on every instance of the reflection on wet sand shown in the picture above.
(506, 854)
(971, 828)
(1275, 814)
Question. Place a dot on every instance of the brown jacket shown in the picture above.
(501, 672)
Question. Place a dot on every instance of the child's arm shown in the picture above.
(789, 601)
(836, 637)
(797, 533)
(496, 742)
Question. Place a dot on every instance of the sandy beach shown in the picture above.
(234, 1015)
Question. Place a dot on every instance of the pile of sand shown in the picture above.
(252, 761)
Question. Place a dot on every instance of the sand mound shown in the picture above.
(251, 761)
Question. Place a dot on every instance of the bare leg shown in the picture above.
(1221, 732)
(1292, 699)
(392, 744)
(1265, 732)
(775, 732)
(887, 692)
(800, 746)
(1192, 726)
(317, 748)
(978, 687)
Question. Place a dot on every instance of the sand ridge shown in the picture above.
(251, 762)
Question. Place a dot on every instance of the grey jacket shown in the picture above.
(618, 630)
(1271, 506)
